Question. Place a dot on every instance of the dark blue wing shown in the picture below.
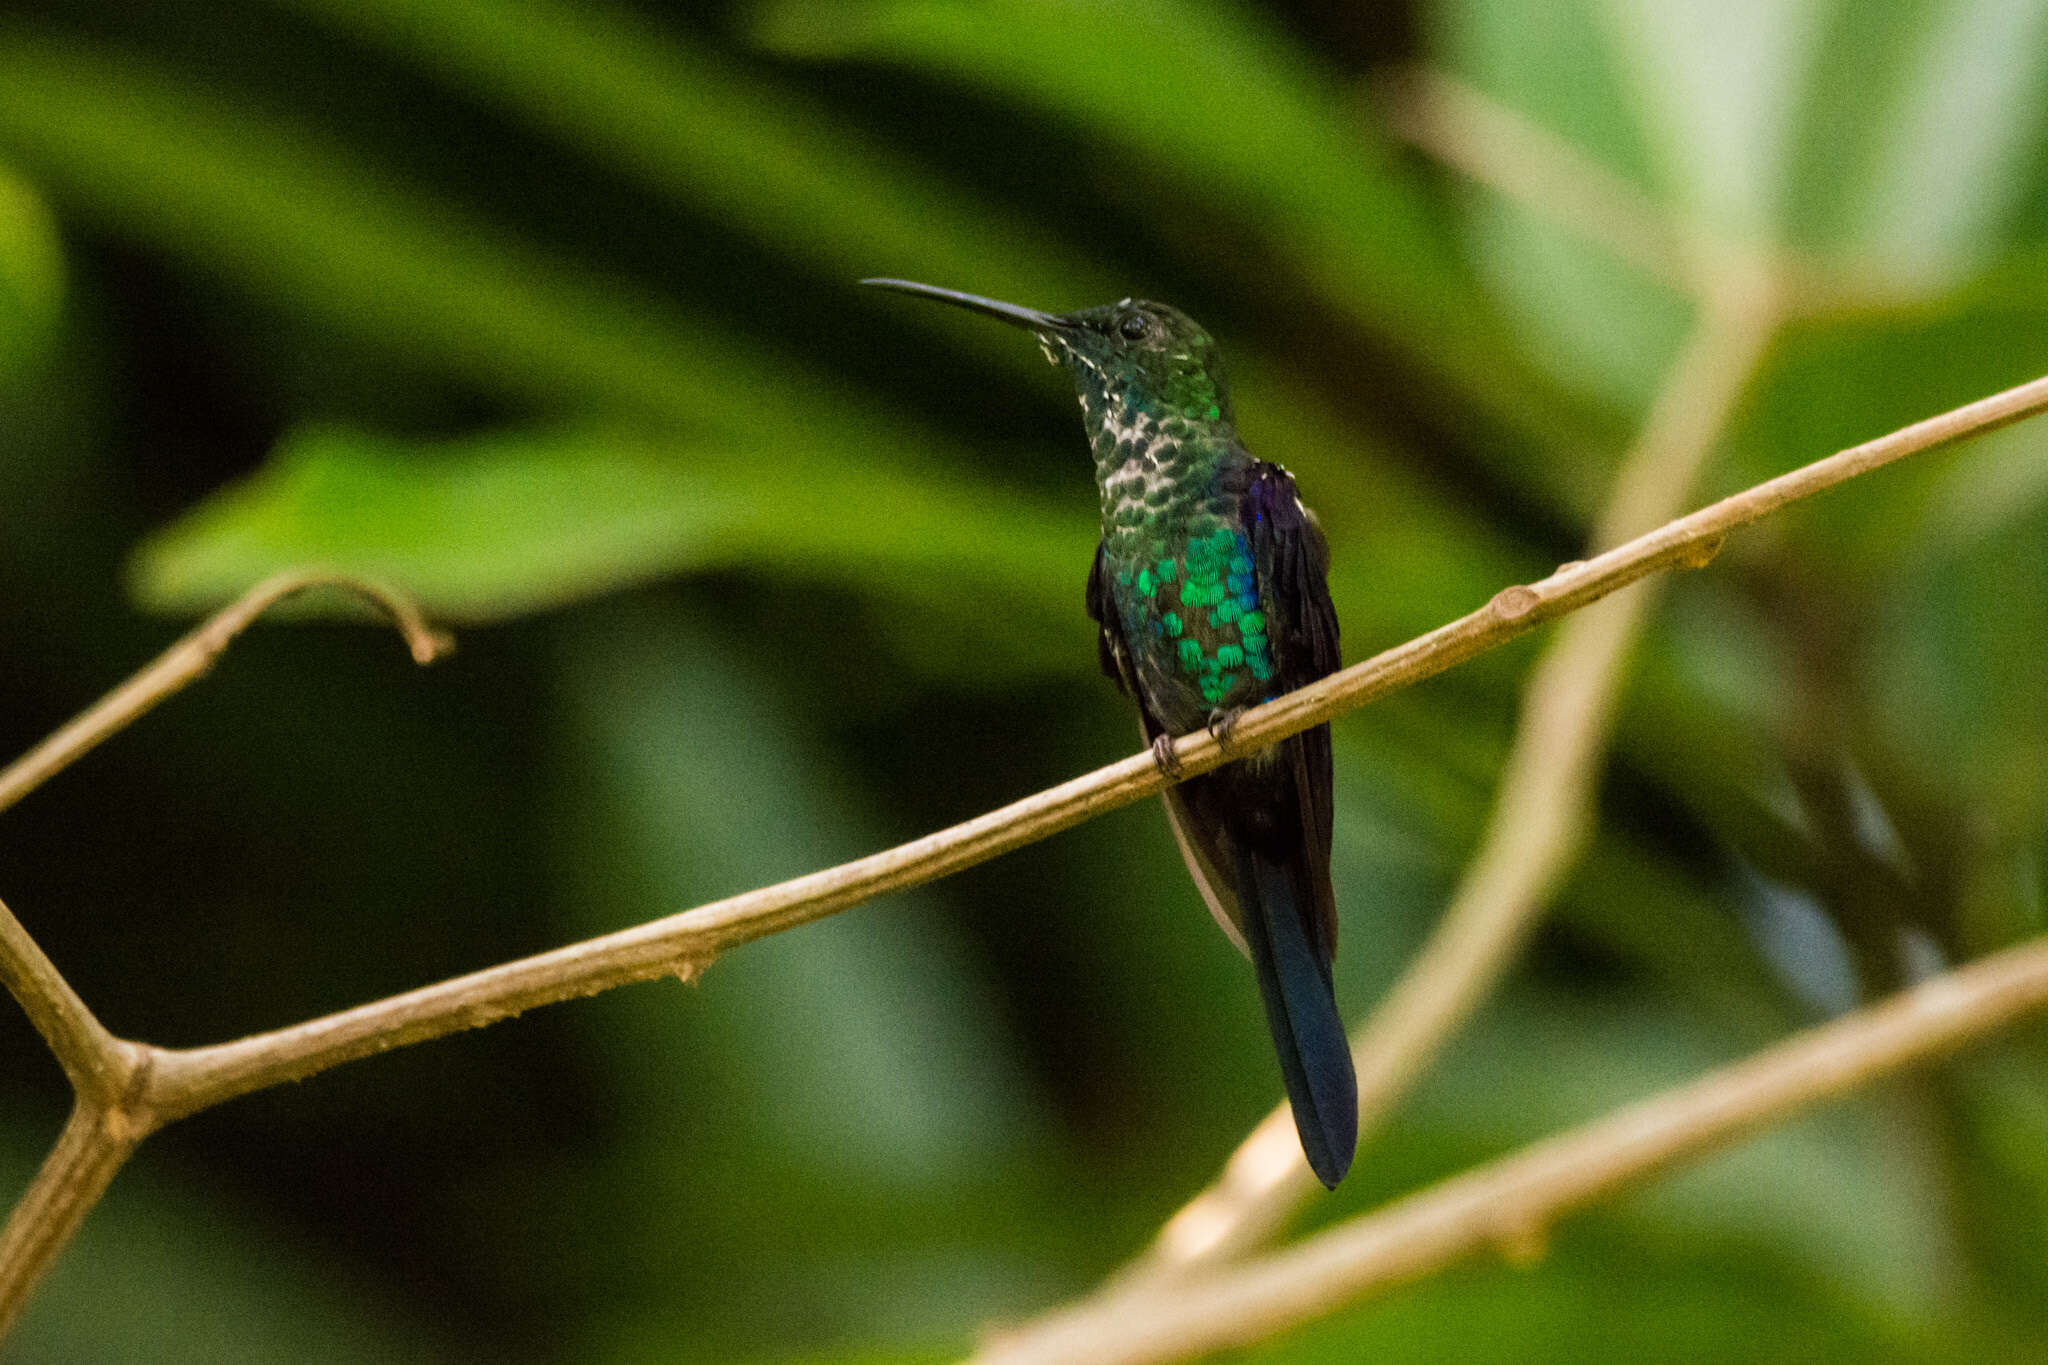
(1294, 564)
(1293, 561)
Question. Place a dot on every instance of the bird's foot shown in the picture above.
(1167, 760)
(1222, 722)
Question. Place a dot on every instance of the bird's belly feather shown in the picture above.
(1195, 625)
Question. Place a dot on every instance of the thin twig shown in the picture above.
(1511, 1204)
(98, 1064)
(94, 1143)
(1540, 818)
(110, 1114)
(187, 1080)
(190, 658)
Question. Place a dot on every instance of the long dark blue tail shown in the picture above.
(1301, 1010)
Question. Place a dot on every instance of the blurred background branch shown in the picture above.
(1512, 1204)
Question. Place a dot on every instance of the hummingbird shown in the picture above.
(1209, 595)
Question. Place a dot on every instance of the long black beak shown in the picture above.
(1029, 318)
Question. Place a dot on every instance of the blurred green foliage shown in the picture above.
(545, 311)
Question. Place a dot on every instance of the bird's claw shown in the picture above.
(1167, 761)
(1221, 723)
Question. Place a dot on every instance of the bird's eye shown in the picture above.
(1134, 326)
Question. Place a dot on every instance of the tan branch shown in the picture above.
(1540, 817)
(189, 659)
(111, 1113)
(1511, 1204)
(94, 1143)
(98, 1064)
(186, 1080)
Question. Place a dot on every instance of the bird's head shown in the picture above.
(1131, 361)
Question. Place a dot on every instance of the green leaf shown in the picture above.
(31, 275)
(1920, 126)
(712, 790)
(853, 1078)
(499, 525)
(273, 209)
(1556, 65)
(694, 126)
(1598, 323)
(1719, 85)
(493, 526)
(1210, 113)
(1957, 680)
